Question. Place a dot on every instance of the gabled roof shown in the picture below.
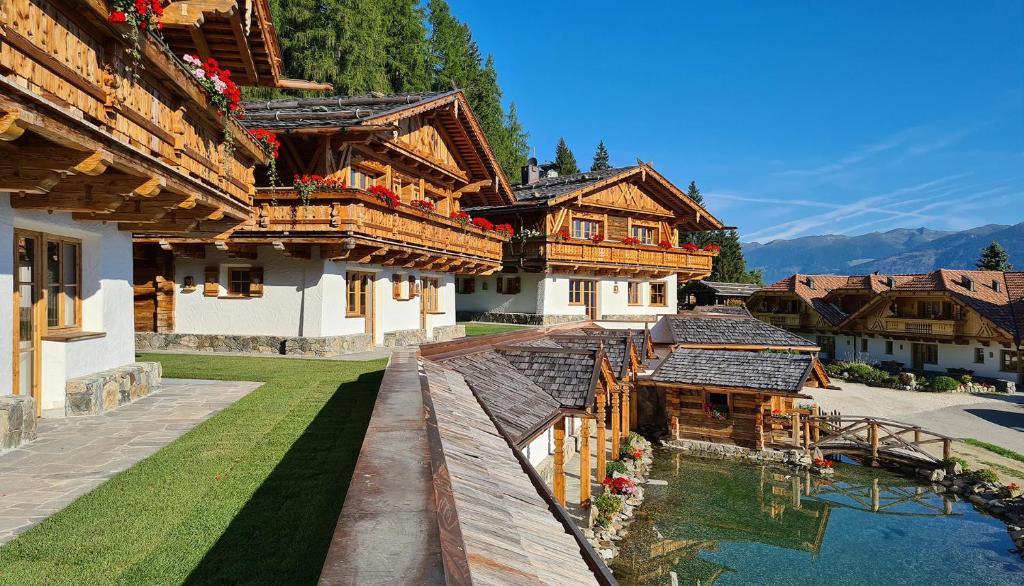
(1015, 293)
(731, 331)
(731, 289)
(376, 110)
(815, 290)
(568, 375)
(767, 371)
(552, 191)
(740, 310)
(616, 348)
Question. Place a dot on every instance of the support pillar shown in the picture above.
(558, 480)
(616, 421)
(602, 448)
(625, 411)
(585, 462)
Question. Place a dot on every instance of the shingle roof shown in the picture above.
(729, 368)
(509, 534)
(731, 289)
(615, 348)
(989, 303)
(568, 375)
(731, 331)
(740, 310)
(551, 187)
(1015, 293)
(333, 112)
(814, 289)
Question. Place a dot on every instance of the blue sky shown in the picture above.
(795, 118)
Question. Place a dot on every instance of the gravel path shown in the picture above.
(998, 419)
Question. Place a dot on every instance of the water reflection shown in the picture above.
(722, 521)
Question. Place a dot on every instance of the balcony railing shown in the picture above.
(936, 327)
(66, 56)
(780, 320)
(610, 254)
(357, 213)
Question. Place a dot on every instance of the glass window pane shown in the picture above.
(53, 306)
(25, 315)
(70, 264)
(70, 316)
(52, 262)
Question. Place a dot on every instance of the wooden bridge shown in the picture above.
(875, 439)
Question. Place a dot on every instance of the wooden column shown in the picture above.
(585, 462)
(558, 480)
(625, 411)
(602, 449)
(616, 421)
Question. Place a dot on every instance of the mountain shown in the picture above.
(903, 250)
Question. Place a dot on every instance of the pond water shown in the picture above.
(720, 522)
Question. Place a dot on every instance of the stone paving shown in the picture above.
(74, 455)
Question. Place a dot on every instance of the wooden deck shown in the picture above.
(615, 256)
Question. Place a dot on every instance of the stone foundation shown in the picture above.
(326, 345)
(445, 333)
(17, 421)
(627, 317)
(292, 346)
(731, 452)
(109, 389)
(400, 338)
(523, 319)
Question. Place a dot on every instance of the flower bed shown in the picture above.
(613, 510)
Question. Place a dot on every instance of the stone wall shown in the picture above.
(525, 319)
(445, 333)
(293, 346)
(327, 345)
(109, 389)
(17, 420)
(630, 317)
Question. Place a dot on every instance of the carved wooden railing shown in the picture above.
(358, 213)
(780, 320)
(611, 253)
(68, 55)
(876, 438)
(938, 327)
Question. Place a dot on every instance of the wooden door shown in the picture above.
(590, 298)
(154, 289)
(28, 307)
(360, 300)
(917, 356)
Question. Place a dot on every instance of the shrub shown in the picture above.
(615, 466)
(966, 379)
(944, 384)
(607, 505)
(948, 463)
(835, 369)
(859, 370)
(634, 438)
(986, 475)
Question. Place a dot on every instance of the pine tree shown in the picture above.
(693, 192)
(519, 145)
(994, 258)
(600, 162)
(408, 50)
(455, 57)
(309, 38)
(564, 159)
(730, 266)
(698, 238)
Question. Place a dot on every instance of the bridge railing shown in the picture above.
(869, 436)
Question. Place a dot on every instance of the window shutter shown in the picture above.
(414, 288)
(468, 285)
(396, 286)
(514, 285)
(210, 286)
(500, 285)
(256, 282)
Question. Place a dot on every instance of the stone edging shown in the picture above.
(995, 499)
(605, 539)
(17, 420)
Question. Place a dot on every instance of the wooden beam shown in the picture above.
(244, 51)
(616, 420)
(602, 449)
(193, 13)
(558, 478)
(585, 462)
(11, 126)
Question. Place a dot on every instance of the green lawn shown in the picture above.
(995, 449)
(249, 496)
(478, 329)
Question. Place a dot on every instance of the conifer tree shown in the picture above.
(565, 160)
(408, 50)
(994, 258)
(693, 192)
(600, 162)
(519, 145)
(455, 57)
(730, 266)
(363, 48)
(698, 238)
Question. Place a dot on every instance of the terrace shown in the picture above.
(607, 256)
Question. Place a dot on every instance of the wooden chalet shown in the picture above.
(701, 330)
(384, 176)
(602, 244)
(99, 139)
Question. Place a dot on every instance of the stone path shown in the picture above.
(74, 455)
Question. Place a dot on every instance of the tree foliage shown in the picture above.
(994, 258)
(565, 160)
(600, 162)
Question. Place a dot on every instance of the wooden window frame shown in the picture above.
(930, 347)
(1008, 360)
(230, 281)
(466, 285)
(636, 227)
(576, 294)
(60, 241)
(664, 294)
(597, 224)
(361, 294)
(728, 403)
(889, 347)
(256, 281)
(863, 345)
(979, 356)
(637, 287)
(431, 295)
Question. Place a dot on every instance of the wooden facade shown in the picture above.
(560, 217)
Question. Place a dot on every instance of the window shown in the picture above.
(63, 273)
(357, 287)
(633, 288)
(888, 347)
(863, 344)
(585, 229)
(827, 345)
(430, 295)
(359, 179)
(979, 356)
(645, 234)
(716, 405)
(467, 285)
(1009, 361)
(929, 353)
(576, 290)
(508, 285)
(658, 294)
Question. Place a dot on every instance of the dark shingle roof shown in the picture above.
(568, 375)
(740, 310)
(728, 368)
(615, 348)
(731, 331)
(334, 112)
(731, 289)
(551, 187)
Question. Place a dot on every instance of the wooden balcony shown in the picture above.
(931, 327)
(67, 90)
(341, 220)
(781, 320)
(610, 257)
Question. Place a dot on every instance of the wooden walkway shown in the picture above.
(872, 438)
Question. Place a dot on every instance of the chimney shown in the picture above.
(531, 172)
(996, 285)
(810, 282)
(968, 283)
(890, 282)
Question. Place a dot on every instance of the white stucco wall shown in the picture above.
(107, 301)
(491, 301)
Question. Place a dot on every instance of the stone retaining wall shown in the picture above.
(446, 333)
(730, 452)
(326, 345)
(523, 319)
(294, 345)
(17, 421)
(109, 389)
(628, 317)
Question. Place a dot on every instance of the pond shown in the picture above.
(721, 522)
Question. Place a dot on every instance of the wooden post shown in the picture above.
(795, 425)
(876, 496)
(558, 481)
(602, 449)
(759, 430)
(946, 449)
(625, 411)
(616, 421)
(807, 433)
(873, 434)
(585, 462)
(817, 423)
(917, 434)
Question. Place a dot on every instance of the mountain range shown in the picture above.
(900, 251)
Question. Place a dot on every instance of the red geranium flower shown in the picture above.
(117, 16)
